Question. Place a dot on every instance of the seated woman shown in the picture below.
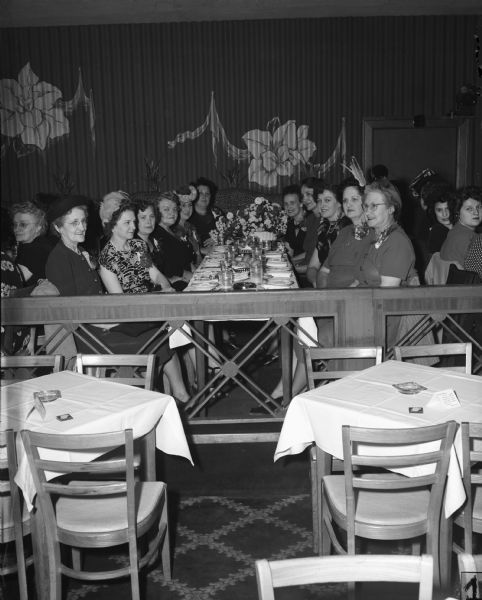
(125, 268)
(178, 255)
(184, 229)
(204, 215)
(146, 216)
(296, 227)
(338, 270)
(34, 247)
(389, 259)
(310, 189)
(440, 202)
(332, 221)
(468, 215)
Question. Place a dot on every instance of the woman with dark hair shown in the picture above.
(440, 204)
(339, 270)
(332, 221)
(34, 247)
(184, 229)
(468, 215)
(146, 215)
(204, 215)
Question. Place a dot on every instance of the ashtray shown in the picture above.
(47, 395)
(244, 285)
(409, 387)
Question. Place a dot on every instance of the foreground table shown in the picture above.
(95, 406)
(368, 399)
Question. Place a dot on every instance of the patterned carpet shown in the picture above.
(216, 541)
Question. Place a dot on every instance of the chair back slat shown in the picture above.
(129, 369)
(274, 574)
(418, 351)
(336, 353)
(20, 368)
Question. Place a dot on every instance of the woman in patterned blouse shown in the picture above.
(126, 267)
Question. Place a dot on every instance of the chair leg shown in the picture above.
(166, 545)
(416, 548)
(445, 542)
(315, 505)
(134, 569)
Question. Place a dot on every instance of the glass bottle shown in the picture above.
(256, 270)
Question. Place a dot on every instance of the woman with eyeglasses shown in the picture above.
(468, 214)
(389, 259)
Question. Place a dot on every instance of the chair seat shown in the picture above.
(379, 509)
(105, 515)
(476, 512)
(6, 519)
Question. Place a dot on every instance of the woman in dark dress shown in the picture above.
(29, 227)
(178, 255)
(204, 215)
(146, 216)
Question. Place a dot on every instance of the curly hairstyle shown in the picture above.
(31, 209)
(389, 193)
(143, 204)
(460, 196)
(124, 206)
(292, 189)
(441, 196)
(333, 188)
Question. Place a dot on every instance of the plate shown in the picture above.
(203, 286)
(278, 283)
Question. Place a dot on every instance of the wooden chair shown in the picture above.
(131, 369)
(18, 368)
(470, 517)
(312, 356)
(387, 506)
(402, 352)
(86, 513)
(271, 574)
(15, 522)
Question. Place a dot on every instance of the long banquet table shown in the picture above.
(95, 406)
(368, 399)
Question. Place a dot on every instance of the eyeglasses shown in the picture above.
(372, 207)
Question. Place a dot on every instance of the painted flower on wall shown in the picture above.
(278, 152)
(30, 111)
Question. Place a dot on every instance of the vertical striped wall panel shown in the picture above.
(150, 82)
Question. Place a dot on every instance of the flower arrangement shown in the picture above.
(260, 215)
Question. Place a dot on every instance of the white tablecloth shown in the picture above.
(368, 399)
(95, 406)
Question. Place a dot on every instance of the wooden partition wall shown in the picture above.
(356, 317)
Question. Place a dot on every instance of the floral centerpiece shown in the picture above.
(260, 216)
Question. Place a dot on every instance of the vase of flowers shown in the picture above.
(262, 218)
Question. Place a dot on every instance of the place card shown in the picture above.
(444, 399)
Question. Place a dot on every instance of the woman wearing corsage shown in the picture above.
(389, 259)
(338, 270)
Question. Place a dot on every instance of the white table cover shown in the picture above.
(95, 406)
(368, 399)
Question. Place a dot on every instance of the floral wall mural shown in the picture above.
(33, 113)
(275, 154)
